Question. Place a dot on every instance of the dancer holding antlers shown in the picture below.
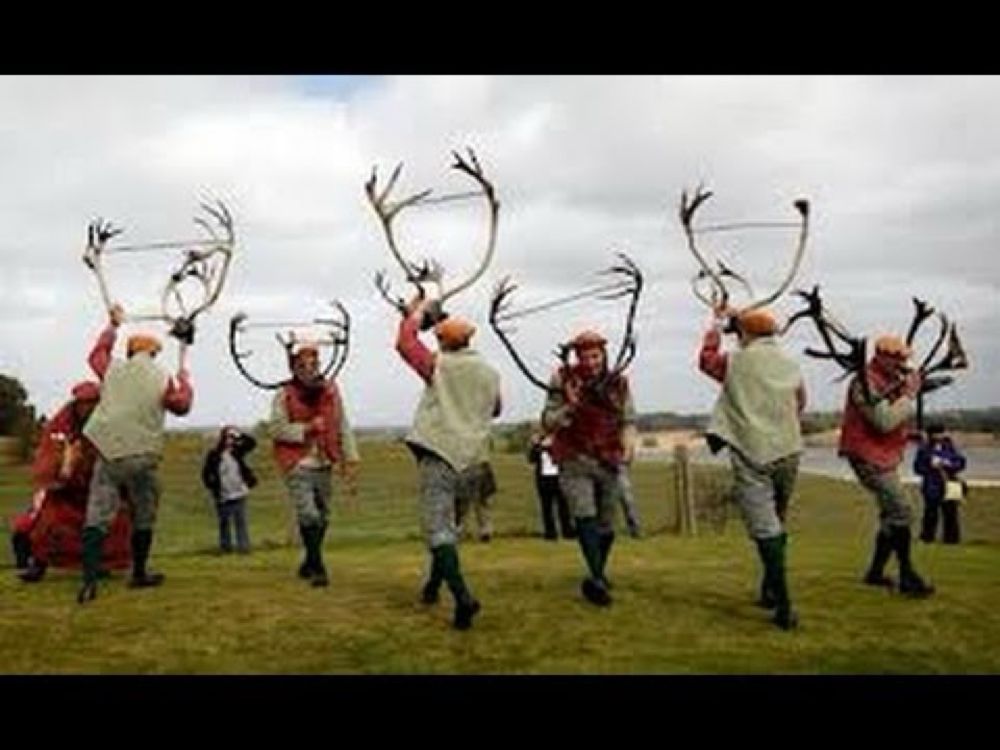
(589, 414)
(883, 397)
(126, 427)
(450, 437)
(309, 428)
(756, 415)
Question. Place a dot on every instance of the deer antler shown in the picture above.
(723, 272)
(475, 171)
(719, 295)
(499, 308)
(338, 339)
(687, 210)
(802, 206)
(626, 352)
(99, 233)
(629, 283)
(198, 264)
(853, 360)
(387, 211)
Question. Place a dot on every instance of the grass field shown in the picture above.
(682, 605)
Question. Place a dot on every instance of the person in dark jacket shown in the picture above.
(938, 462)
(226, 475)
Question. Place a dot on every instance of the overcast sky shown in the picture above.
(903, 174)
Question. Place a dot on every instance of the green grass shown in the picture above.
(682, 605)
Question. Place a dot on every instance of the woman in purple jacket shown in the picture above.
(938, 462)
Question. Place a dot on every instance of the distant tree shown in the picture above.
(14, 406)
(17, 416)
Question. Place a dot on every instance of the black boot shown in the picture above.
(767, 599)
(593, 587)
(306, 568)
(607, 540)
(772, 554)
(142, 542)
(34, 573)
(93, 540)
(952, 529)
(430, 592)
(466, 605)
(22, 549)
(883, 551)
(320, 578)
(929, 522)
(910, 583)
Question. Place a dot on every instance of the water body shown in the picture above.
(983, 462)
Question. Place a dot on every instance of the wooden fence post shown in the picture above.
(684, 491)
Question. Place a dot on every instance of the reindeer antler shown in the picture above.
(99, 233)
(853, 359)
(475, 171)
(719, 295)
(802, 206)
(198, 264)
(431, 270)
(205, 266)
(628, 281)
(686, 213)
(387, 211)
(499, 306)
(338, 340)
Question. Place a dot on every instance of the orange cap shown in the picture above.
(143, 342)
(892, 346)
(588, 339)
(757, 322)
(304, 345)
(454, 332)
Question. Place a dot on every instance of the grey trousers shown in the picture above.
(476, 487)
(893, 507)
(439, 489)
(627, 498)
(136, 475)
(762, 492)
(310, 492)
(592, 489)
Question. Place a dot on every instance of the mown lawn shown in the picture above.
(682, 605)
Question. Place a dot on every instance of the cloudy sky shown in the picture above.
(903, 174)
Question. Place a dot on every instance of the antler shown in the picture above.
(383, 285)
(430, 270)
(99, 233)
(626, 353)
(724, 272)
(499, 309)
(719, 296)
(387, 211)
(338, 340)
(686, 213)
(198, 265)
(802, 206)
(854, 359)
(628, 282)
(475, 171)
(237, 325)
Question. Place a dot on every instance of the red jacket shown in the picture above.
(60, 432)
(858, 438)
(327, 406)
(595, 429)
